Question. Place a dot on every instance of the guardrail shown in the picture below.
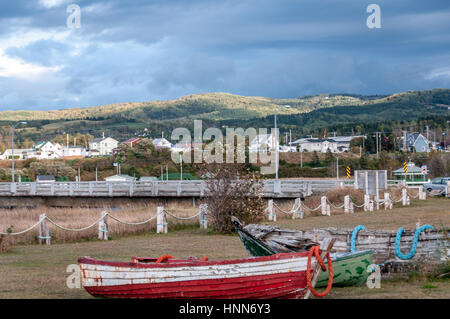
(402, 182)
(191, 188)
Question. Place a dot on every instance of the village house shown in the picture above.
(132, 141)
(415, 142)
(18, 154)
(263, 142)
(104, 146)
(181, 148)
(337, 144)
(73, 152)
(45, 150)
(45, 179)
(161, 143)
(120, 178)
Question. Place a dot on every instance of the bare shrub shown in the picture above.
(232, 190)
(336, 195)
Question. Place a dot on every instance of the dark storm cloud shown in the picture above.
(140, 50)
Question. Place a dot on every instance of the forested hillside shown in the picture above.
(316, 115)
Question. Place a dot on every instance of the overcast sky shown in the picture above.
(138, 50)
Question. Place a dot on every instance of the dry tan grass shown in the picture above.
(77, 218)
(433, 211)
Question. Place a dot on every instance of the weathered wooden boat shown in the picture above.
(350, 268)
(389, 247)
(275, 276)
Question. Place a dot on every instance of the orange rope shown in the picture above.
(205, 258)
(163, 258)
(315, 250)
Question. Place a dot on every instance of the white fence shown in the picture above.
(102, 224)
(194, 188)
(370, 203)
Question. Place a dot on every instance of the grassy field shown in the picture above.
(33, 271)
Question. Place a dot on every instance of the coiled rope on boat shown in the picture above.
(412, 252)
(315, 250)
(354, 234)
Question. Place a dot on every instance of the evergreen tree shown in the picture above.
(315, 159)
(329, 158)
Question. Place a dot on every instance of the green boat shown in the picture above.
(349, 269)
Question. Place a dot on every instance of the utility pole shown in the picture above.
(12, 152)
(276, 142)
(404, 141)
(376, 142)
(337, 166)
(301, 156)
(181, 167)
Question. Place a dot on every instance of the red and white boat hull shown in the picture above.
(276, 276)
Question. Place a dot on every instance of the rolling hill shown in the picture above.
(305, 115)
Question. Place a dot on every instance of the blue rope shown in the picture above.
(412, 252)
(354, 234)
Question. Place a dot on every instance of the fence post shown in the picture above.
(370, 205)
(32, 188)
(110, 189)
(12, 187)
(298, 212)
(179, 188)
(161, 221)
(422, 193)
(376, 198)
(387, 201)
(203, 216)
(346, 204)
(447, 189)
(351, 208)
(131, 191)
(103, 226)
(155, 188)
(271, 210)
(328, 210)
(309, 189)
(366, 202)
(44, 231)
(323, 205)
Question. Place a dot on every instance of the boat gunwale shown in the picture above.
(193, 263)
(351, 255)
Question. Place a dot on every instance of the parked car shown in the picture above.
(437, 184)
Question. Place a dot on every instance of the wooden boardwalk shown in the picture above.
(193, 188)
